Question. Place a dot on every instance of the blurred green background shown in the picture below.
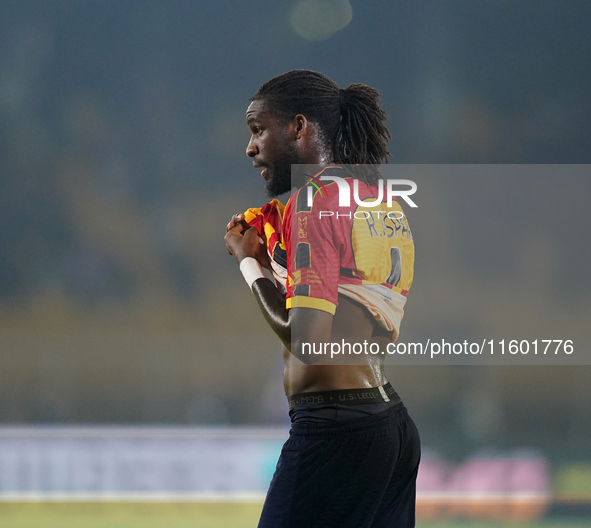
(122, 143)
(188, 515)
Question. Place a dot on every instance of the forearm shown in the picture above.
(313, 326)
(250, 251)
(310, 325)
(272, 304)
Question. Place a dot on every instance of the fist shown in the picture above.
(243, 241)
(237, 219)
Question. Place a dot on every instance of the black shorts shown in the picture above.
(351, 473)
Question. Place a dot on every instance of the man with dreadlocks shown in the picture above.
(352, 456)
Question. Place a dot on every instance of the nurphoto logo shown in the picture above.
(392, 189)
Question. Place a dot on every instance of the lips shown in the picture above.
(259, 165)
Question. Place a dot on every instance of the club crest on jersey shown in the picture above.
(302, 225)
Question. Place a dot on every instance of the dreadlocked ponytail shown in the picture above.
(362, 136)
(350, 119)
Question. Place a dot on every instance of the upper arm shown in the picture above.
(313, 256)
(314, 268)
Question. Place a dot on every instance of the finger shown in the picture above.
(233, 233)
(251, 233)
(232, 222)
(227, 238)
(236, 219)
(236, 229)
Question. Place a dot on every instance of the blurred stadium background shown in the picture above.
(138, 383)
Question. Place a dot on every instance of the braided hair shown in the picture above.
(350, 120)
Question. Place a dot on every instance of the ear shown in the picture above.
(301, 127)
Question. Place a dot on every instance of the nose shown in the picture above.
(251, 149)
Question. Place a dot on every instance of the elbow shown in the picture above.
(304, 350)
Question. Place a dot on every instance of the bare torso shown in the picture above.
(352, 323)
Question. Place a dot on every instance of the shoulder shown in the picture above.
(321, 191)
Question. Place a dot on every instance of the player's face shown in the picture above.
(272, 147)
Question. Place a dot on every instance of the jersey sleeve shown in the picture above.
(313, 254)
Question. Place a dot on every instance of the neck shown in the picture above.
(316, 152)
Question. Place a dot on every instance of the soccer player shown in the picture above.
(347, 462)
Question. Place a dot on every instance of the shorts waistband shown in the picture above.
(381, 422)
(383, 393)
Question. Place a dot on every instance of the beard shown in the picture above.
(280, 179)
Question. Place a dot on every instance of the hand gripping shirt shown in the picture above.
(268, 221)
